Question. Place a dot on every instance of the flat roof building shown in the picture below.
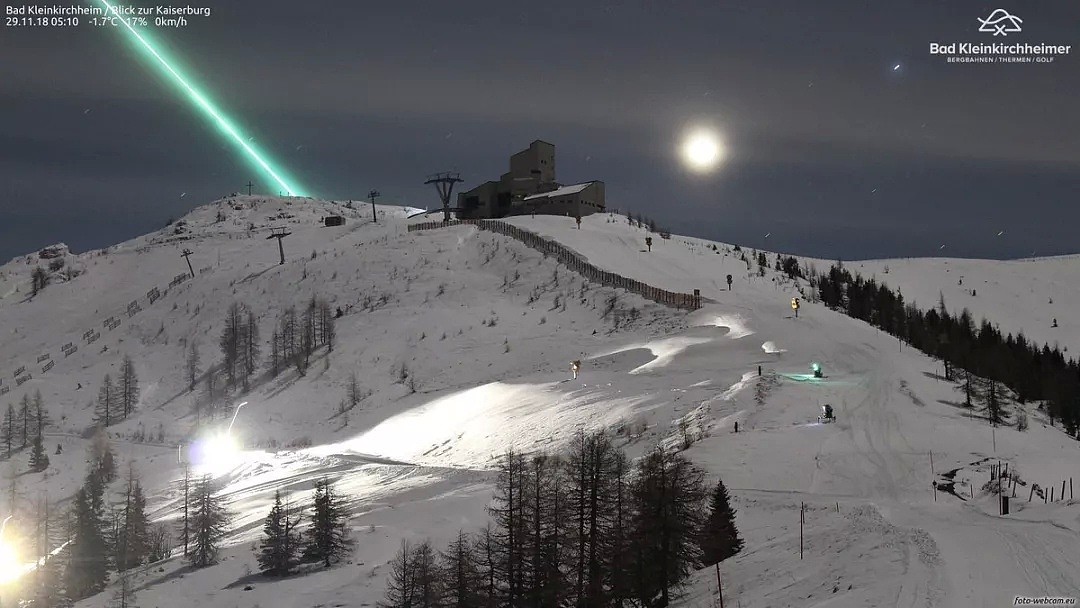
(530, 186)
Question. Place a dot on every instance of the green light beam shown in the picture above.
(204, 104)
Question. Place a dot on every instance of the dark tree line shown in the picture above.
(1032, 372)
(585, 530)
(25, 426)
(297, 336)
(239, 345)
(294, 340)
(117, 399)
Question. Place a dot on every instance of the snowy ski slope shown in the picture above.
(489, 352)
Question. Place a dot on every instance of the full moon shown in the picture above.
(701, 151)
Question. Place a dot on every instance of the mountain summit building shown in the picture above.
(530, 187)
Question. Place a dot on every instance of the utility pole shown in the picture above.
(249, 185)
(372, 195)
(802, 520)
(279, 234)
(719, 585)
(186, 254)
(187, 483)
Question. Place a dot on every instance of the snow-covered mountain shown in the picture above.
(460, 340)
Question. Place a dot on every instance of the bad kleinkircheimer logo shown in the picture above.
(1000, 23)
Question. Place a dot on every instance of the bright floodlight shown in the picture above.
(216, 454)
(701, 151)
(10, 568)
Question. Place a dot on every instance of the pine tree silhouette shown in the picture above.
(327, 541)
(719, 536)
(39, 460)
(281, 541)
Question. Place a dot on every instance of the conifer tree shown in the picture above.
(967, 385)
(231, 341)
(488, 565)
(211, 390)
(185, 534)
(719, 537)
(48, 580)
(543, 502)
(249, 348)
(41, 415)
(428, 583)
(133, 535)
(39, 460)
(191, 364)
(209, 521)
(401, 585)
(86, 572)
(590, 496)
(306, 341)
(101, 457)
(275, 353)
(668, 493)
(327, 330)
(415, 580)
(992, 400)
(7, 432)
(106, 402)
(127, 387)
(25, 421)
(353, 391)
(508, 535)
(281, 540)
(327, 541)
(460, 574)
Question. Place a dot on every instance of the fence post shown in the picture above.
(802, 519)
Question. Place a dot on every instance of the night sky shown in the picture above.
(829, 149)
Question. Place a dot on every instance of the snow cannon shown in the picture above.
(826, 414)
(816, 368)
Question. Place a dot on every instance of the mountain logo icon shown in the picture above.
(1000, 22)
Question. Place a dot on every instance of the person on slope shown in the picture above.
(575, 367)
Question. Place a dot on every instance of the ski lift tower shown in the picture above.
(186, 254)
(279, 234)
(444, 183)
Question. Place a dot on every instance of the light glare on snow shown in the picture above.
(216, 454)
(10, 568)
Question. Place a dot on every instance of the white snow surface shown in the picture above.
(472, 317)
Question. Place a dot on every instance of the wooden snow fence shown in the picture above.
(573, 261)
